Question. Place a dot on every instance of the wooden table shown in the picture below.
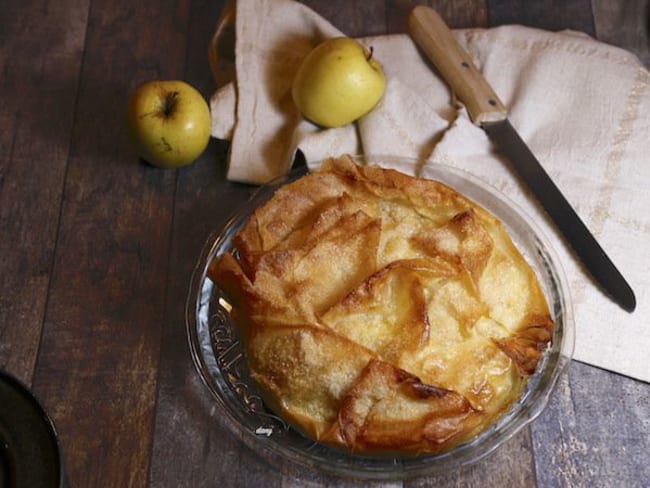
(97, 249)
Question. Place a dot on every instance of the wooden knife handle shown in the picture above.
(431, 33)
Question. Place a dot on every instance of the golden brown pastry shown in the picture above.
(383, 312)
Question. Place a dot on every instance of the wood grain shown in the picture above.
(98, 363)
(459, 14)
(39, 87)
(624, 24)
(191, 446)
(97, 249)
(591, 407)
(594, 432)
(353, 19)
(553, 15)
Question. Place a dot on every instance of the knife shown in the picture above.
(485, 109)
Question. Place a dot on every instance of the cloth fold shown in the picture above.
(582, 106)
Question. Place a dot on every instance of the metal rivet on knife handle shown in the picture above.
(455, 65)
(484, 107)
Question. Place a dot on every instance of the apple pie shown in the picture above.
(383, 312)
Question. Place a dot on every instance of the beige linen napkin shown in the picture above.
(582, 106)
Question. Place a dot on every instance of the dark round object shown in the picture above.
(30, 456)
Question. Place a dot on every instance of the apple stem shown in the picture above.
(170, 101)
(369, 57)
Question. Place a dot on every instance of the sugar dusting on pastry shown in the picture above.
(383, 312)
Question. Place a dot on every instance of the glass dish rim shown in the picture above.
(530, 406)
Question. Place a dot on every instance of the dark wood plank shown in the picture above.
(354, 19)
(551, 15)
(98, 364)
(187, 420)
(39, 87)
(511, 465)
(114, 369)
(191, 447)
(624, 24)
(594, 431)
(458, 14)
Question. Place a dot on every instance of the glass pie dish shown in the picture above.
(219, 357)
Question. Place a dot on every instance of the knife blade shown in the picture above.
(435, 39)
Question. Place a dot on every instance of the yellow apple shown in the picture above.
(170, 122)
(338, 82)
